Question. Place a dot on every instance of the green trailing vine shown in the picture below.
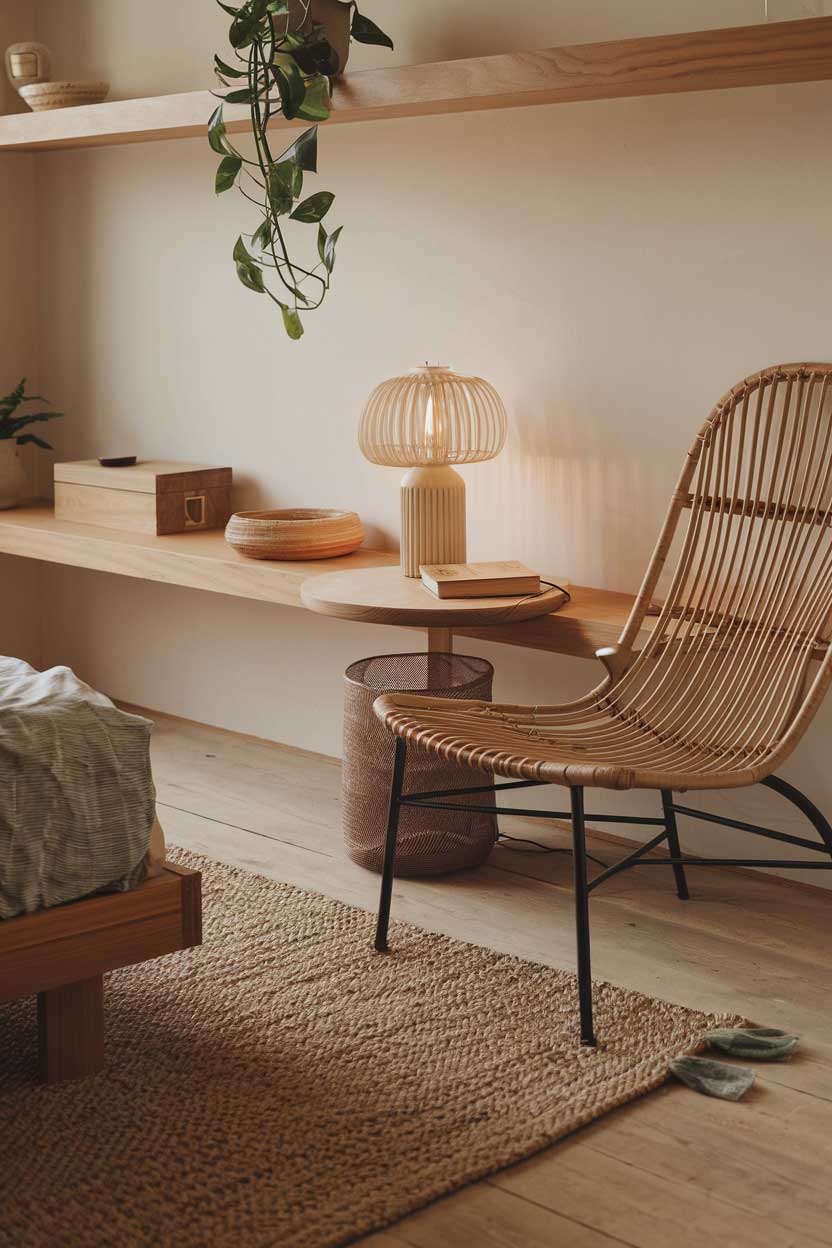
(285, 62)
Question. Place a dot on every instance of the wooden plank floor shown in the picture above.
(674, 1168)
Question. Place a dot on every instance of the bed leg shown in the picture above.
(71, 1030)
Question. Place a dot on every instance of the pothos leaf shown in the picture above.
(290, 86)
(227, 71)
(304, 151)
(216, 133)
(314, 208)
(315, 105)
(365, 31)
(279, 187)
(291, 322)
(227, 172)
(329, 248)
(262, 236)
(249, 273)
(243, 96)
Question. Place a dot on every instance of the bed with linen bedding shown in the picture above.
(84, 886)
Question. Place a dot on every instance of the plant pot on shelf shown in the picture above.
(334, 15)
(12, 475)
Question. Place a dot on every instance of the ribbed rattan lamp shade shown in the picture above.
(426, 421)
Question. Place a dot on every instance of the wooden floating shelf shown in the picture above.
(746, 56)
(205, 561)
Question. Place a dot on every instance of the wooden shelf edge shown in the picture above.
(745, 56)
(204, 561)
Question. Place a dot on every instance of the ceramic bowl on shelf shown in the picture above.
(41, 96)
(296, 533)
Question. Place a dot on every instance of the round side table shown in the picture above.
(384, 596)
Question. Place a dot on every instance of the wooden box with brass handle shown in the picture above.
(150, 496)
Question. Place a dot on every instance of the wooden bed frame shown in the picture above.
(62, 953)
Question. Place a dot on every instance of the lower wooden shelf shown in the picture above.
(593, 618)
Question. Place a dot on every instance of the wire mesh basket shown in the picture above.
(430, 841)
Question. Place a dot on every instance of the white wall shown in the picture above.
(612, 267)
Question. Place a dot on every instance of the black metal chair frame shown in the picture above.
(639, 857)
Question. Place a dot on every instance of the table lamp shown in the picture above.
(426, 421)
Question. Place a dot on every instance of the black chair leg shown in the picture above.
(673, 845)
(390, 847)
(582, 917)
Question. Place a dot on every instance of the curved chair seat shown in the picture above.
(569, 745)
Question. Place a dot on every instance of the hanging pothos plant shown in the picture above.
(287, 60)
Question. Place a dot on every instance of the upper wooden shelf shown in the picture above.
(745, 56)
(593, 618)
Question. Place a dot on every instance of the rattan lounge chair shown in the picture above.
(737, 663)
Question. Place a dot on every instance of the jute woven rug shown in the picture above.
(284, 1085)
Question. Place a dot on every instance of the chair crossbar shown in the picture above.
(726, 822)
(790, 863)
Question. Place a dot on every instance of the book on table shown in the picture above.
(508, 579)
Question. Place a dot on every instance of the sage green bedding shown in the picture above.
(76, 792)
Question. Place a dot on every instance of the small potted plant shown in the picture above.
(287, 52)
(12, 424)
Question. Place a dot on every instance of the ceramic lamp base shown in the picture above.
(433, 518)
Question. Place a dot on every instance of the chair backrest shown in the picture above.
(730, 664)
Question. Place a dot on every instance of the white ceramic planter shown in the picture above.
(12, 475)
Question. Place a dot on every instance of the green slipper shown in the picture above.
(761, 1044)
(712, 1078)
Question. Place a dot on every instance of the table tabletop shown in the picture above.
(385, 596)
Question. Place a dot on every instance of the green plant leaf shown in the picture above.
(216, 133)
(249, 273)
(245, 24)
(322, 237)
(304, 151)
(329, 248)
(10, 402)
(279, 186)
(243, 96)
(278, 6)
(227, 172)
(229, 8)
(29, 439)
(227, 71)
(290, 86)
(13, 426)
(314, 208)
(315, 105)
(291, 322)
(262, 236)
(365, 31)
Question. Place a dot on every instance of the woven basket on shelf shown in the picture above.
(429, 841)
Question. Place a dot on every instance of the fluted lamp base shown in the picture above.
(433, 517)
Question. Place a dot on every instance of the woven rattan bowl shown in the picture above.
(41, 96)
(299, 533)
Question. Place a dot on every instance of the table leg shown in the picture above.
(440, 641)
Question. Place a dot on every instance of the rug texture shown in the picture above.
(284, 1085)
